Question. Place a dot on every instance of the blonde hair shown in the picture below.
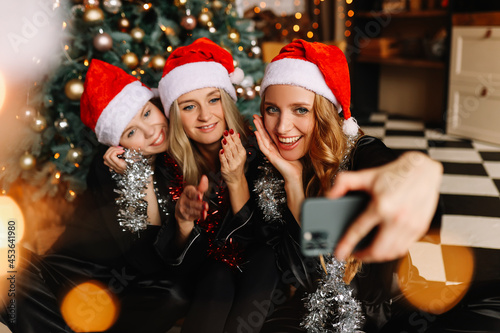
(183, 149)
(321, 163)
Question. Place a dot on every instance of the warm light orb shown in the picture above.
(89, 307)
(11, 223)
(449, 270)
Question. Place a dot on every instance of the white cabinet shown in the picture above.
(474, 87)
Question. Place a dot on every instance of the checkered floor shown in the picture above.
(470, 195)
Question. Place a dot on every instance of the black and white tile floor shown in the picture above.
(469, 191)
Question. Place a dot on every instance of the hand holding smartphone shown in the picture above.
(324, 221)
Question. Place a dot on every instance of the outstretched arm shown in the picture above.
(405, 195)
(189, 208)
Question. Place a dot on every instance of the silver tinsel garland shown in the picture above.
(332, 308)
(270, 189)
(131, 186)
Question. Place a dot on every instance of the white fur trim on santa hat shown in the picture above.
(193, 76)
(120, 111)
(350, 127)
(297, 72)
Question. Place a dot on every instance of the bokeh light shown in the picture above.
(452, 267)
(90, 307)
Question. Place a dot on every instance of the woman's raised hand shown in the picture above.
(189, 208)
(114, 162)
(232, 158)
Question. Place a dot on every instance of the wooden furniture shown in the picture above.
(410, 81)
(474, 91)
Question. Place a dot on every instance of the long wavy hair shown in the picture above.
(185, 151)
(325, 154)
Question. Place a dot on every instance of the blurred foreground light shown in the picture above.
(3, 91)
(11, 223)
(30, 38)
(90, 307)
(445, 274)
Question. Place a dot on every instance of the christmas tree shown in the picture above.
(137, 36)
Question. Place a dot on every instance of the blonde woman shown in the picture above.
(214, 210)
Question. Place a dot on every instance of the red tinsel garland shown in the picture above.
(228, 252)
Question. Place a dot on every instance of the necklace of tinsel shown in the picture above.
(331, 308)
(228, 252)
(131, 186)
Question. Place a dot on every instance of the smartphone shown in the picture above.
(324, 221)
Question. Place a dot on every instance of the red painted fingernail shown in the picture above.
(239, 136)
(226, 133)
(231, 131)
(224, 141)
(222, 151)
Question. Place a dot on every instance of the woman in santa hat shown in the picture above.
(140, 290)
(209, 142)
(307, 133)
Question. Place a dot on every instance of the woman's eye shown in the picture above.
(272, 109)
(214, 100)
(188, 108)
(147, 113)
(132, 132)
(302, 110)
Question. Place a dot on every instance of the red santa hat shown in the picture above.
(201, 64)
(111, 98)
(317, 67)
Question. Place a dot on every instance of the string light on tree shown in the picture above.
(61, 124)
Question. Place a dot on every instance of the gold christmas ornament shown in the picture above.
(74, 89)
(179, 3)
(103, 42)
(216, 4)
(93, 15)
(240, 91)
(112, 6)
(188, 22)
(157, 62)
(204, 18)
(27, 161)
(27, 113)
(75, 155)
(91, 3)
(38, 123)
(123, 24)
(137, 34)
(130, 60)
(234, 36)
(236, 63)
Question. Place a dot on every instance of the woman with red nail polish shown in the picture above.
(103, 255)
(208, 137)
(308, 135)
